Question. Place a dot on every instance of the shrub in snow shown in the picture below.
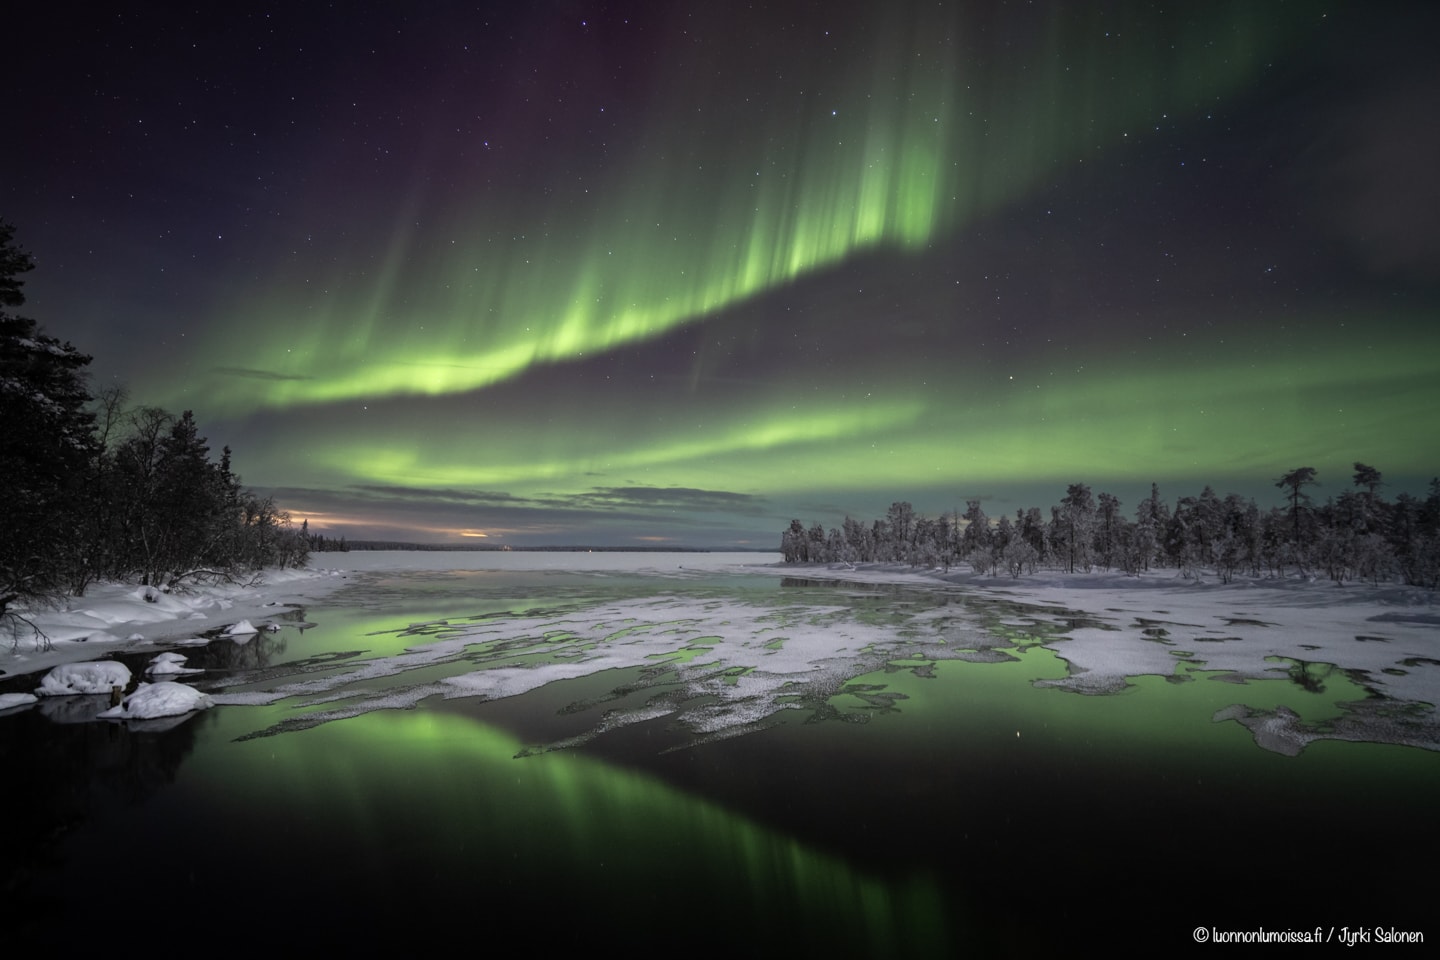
(162, 699)
(70, 679)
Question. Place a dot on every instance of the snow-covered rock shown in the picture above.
(169, 664)
(70, 679)
(164, 698)
(241, 629)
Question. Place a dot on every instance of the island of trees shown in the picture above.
(92, 490)
(1358, 535)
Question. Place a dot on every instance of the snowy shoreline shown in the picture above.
(118, 617)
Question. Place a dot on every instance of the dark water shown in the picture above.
(926, 804)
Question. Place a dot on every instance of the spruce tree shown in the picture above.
(46, 445)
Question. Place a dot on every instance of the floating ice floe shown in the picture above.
(164, 698)
(71, 679)
(11, 701)
(169, 664)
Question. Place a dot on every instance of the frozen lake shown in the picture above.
(665, 750)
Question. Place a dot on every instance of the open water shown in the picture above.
(668, 759)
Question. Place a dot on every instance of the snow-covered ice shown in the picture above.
(11, 701)
(721, 665)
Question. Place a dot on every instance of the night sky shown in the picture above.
(671, 272)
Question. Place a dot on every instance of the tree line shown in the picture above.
(93, 490)
(1358, 535)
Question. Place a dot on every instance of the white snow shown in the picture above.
(164, 698)
(70, 679)
(9, 701)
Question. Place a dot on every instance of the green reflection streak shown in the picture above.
(999, 706)
(927, 130)
(597, 826)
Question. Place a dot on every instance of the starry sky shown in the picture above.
(648, 273)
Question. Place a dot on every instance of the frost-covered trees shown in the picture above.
(170, 513)
(119, 495)
(1075, 527)
(900, 520)
(1357, 535)
(794, 545)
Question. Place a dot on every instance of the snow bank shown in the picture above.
(164, 698)
(70, 679)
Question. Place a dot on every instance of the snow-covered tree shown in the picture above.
(1075, 528)
(1109, 530)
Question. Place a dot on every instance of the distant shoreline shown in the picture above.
(364, 545)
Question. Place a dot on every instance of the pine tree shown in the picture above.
(1295, 482)
(46, 444)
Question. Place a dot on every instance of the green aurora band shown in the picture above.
(715, 204)
(1153, 418)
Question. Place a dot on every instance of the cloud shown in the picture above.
(251, 374)
(596, 499)
(443, 495)
(600, 515)
(685, 498)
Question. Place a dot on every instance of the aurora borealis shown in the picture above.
(642, 273)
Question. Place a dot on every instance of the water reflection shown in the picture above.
(748, 765)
